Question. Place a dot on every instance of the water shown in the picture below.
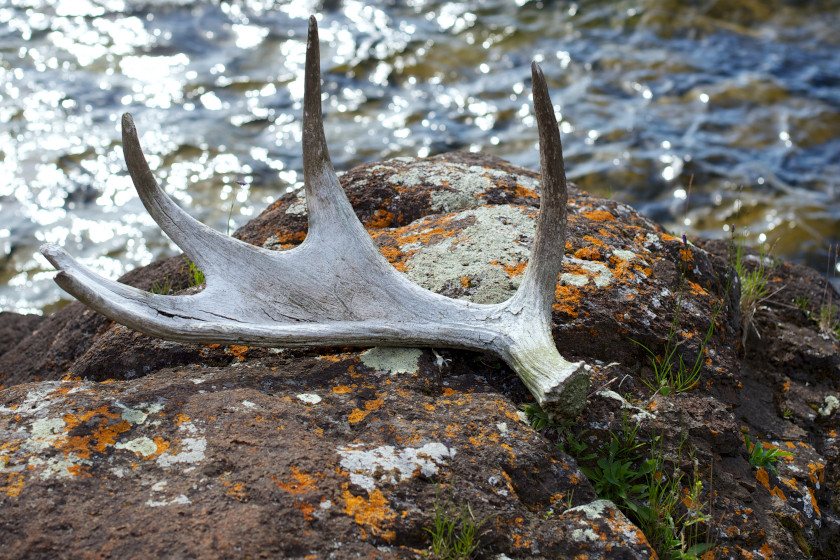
(722, 112)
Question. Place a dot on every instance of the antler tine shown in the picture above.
(331, 216)
(114, 299)
(540, 281)
(198, 241)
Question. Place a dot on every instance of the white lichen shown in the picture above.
(180, 500)
(593, 510)
(493, 234)
(142, 445)
(830, 407)
(309, 398)
(639, 415)
(393, 360)
(298, 207)
(391, 465)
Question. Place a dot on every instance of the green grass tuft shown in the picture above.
(455, 531)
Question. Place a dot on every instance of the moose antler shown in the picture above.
(336, 288)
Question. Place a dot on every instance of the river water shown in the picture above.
(700, 114)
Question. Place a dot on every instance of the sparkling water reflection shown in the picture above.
(700, 116)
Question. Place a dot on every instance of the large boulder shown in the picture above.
(148, 447)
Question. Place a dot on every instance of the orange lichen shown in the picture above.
(357, 416)
(595, 241)
(162, 446)
(236, 490)
(238, 351)
(524, 192)
(697, 289)
(301, 482)
(588, 254)
(512, 270)
(13, 484)
(394, 256)
(598, 216)
(287, 239)
(567, 298)
(342, 389)
(306, 509)
(763, 477)
(776, 491)
(181, 418)
(813, 501)
(817, 472)
(685, 254)
(79, 471)
(519, 542)
(381, 219)
(102, 436)
(373, 513)
(466, 281)
(374, 404)
(73, 420)
(421, 232)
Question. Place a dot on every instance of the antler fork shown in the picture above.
(336, 288)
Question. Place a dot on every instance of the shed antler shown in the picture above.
(336, 288)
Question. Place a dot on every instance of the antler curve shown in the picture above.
(336, 288)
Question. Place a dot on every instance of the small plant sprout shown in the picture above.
(802, 302)
(165, 287)
(828, 323)
(671, 373)
(761, 455)
(455, 530)
(753, 286)
(196, 276)
(537, 417)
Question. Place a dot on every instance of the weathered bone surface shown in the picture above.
(336, 288)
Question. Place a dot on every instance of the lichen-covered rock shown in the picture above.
(461, 224)
(339, 455)
(234, 451)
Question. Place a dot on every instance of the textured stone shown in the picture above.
(150, 448)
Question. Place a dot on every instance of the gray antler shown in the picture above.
(336, 288)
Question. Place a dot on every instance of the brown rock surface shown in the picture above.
(14, 327)
(150, 447)
(288, 456)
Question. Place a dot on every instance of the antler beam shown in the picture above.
(336, 288)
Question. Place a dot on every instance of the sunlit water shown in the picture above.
(741, 95)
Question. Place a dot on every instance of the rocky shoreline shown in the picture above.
(114, 443)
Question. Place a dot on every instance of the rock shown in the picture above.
(222, 462)
(62, 338)
(148, 446)
(14, 327)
